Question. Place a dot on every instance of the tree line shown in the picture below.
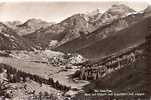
(14, 75)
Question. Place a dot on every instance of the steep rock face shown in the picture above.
(123, 39)
(75, 26)
(9, 40)
(113, 13)
(117, 25)
(101, 33)
(96, 19)
(85, 29)
(80, 25)
(67, 30)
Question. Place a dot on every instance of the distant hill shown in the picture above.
(9, 40)
(27, 27)
(12, 24)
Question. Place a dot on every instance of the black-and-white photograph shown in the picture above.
(67, 50)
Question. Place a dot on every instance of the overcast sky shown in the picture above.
(54, 11)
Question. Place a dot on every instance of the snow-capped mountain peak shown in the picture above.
(99, 10)
(95, 12)
(116, 11)
(119, 10)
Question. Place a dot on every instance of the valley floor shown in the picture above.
(45, 71)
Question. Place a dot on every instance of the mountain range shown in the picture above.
(79, 25)
(93, 34)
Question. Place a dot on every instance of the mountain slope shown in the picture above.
(9, 40)
(116, 11)
(64, 31)
(128, 78)
(120, 40)
(128, 37)
(79, 25)
(101, 33)
(75, 25)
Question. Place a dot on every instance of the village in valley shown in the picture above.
(94, 51)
